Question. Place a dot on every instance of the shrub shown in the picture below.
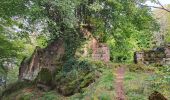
(26, 97)
(49, 96)
(140, 68)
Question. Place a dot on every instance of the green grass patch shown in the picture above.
(139, 85)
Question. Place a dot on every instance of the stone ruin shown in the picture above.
(99, 51)
(96, 50)
(51, 57)
(160, 55)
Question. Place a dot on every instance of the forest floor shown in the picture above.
(119, 83)
(116, 82)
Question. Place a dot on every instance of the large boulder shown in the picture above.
(49, 57)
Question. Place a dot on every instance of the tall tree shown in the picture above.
(120, 20)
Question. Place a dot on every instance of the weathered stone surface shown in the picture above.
(157, 96)
(159, 55)
(69, 86)
(138, 57)
(44, 77)
(49, 57)
(101, 52)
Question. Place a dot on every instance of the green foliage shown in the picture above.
(103, 88)
(160, 81)
(49, 96)
(2, 71)
(140, 88)
(107, 80)
(144, 83)
(140, 68)
(9, 52)
(26, 97)
(123, 24)
(125, 28)
(75, 75)
(8, 48)
(76, 64)
(11, 8)
(12, 76)
(104, 96)
(130, 26)
(41, 41)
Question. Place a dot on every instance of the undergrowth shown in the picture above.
(141, 81)
(77, 80)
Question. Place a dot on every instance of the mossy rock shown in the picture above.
(67, 90)
(87, 80)
(44, 77)
(73, 86)
(157, 96)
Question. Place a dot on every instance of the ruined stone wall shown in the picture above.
(98, 51)
(139, 57)
(153, 56)
(101, 52)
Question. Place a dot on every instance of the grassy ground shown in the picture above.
(139, 82)
(139, 85)
(101, 89)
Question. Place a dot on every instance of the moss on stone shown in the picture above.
(87, 80)
(44, 76)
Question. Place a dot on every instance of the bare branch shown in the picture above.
(162, 6)
(158, 2)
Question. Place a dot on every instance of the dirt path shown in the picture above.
(119, 83)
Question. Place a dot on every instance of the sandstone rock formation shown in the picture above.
(49, 57)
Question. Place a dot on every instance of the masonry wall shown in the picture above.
(153, 56)
(101, 52)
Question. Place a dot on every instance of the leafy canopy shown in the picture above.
(123, 24)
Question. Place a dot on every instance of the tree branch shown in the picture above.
(157, 2)
(163, 8)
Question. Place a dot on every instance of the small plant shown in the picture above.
(26, 97)
(104, 96)
(49, 96)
